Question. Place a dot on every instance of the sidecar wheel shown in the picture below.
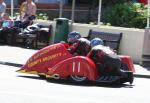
(78, 79)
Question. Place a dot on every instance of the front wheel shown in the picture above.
(78, 79)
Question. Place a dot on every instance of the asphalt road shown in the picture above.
(24, 88)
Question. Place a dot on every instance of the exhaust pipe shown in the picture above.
(55, 76)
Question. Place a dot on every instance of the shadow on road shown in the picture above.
(91, 84)
(32, 77)
(88, 84)
(141, 76)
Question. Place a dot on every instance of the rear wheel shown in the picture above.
(128, 77)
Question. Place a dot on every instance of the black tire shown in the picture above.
(78, 79)
(127, 78)
(123, 80)
(130, 77)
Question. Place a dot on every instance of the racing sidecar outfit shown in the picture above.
(54, 61)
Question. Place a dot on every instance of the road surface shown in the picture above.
(25, 88)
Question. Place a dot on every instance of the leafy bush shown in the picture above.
(127, 15)
(42, 16)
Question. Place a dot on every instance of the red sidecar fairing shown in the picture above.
(80, 66)
(56, 62)
(77, 66)
(45, 58)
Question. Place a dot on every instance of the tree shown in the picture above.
(128, 15)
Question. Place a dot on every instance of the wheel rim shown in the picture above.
(78, 78)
